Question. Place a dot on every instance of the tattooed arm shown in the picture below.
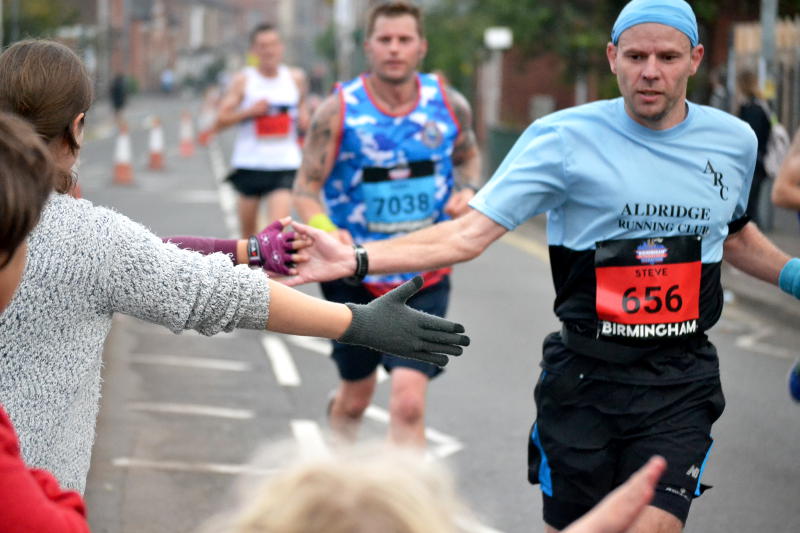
(319, 153)
(466, 157)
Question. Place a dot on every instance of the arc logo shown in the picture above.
(717, 177)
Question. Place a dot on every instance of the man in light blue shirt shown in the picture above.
(645, 195)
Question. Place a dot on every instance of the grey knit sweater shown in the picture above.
(84, 264)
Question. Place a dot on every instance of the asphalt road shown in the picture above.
(183, 416)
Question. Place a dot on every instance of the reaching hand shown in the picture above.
(388, 325)
(617, 512)
(326, 259)
(277, 247)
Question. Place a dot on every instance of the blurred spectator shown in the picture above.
(31, 500)
(119, 95)
(394, 490)
(786, 190)
(718, 97)
(754, 110)
(167, 80)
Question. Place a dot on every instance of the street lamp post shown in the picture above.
(769, 16)
(14, 21)
(345, 47)
(496, 39)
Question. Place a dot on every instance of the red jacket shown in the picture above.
(31, 500)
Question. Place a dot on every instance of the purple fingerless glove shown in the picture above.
(276, 248)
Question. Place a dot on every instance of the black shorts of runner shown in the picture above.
(355, 362)
(591, 435)
(257, 183)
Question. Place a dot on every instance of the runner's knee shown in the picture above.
(408, 407)
(355, 397)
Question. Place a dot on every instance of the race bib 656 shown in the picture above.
(648, 288)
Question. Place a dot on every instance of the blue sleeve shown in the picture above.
(529, 181)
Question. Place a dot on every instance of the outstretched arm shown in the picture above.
(439, 245)
(386, 324)
(271, 249)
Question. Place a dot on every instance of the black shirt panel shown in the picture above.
(575, 285)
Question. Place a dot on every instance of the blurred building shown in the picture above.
(142, 38)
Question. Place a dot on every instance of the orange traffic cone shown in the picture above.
(156, 145)
(186, 135)
(123, 170)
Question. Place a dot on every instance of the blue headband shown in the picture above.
(675, 13)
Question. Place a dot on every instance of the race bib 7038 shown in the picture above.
(648, 288)
(400, 199)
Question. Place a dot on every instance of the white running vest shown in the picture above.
(269, 142)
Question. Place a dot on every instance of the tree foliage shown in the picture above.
(576, 30)
(37, 18)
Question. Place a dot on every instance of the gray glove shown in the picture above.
(388, 325)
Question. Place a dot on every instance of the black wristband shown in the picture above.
(254, 252)
(362, 263)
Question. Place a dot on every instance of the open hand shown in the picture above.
(388, 325)
(327, 258)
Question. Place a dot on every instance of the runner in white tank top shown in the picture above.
(267, 102)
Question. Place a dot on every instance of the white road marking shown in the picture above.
(282, 363)
(383, 375)
(309, 438)
(445, 445)
(323, 347)
(751, 342)
(469, 525)
(192, 409)
(312, 344)
(227, 198)
(182, 466)
(758, 331)
(225, 365)
(198, 196)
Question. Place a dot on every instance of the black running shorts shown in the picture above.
(591, 435)
(257, 183)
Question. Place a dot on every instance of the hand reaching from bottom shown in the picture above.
(619, 510)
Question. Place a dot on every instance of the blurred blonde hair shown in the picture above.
(363, 490)
(747, 83)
